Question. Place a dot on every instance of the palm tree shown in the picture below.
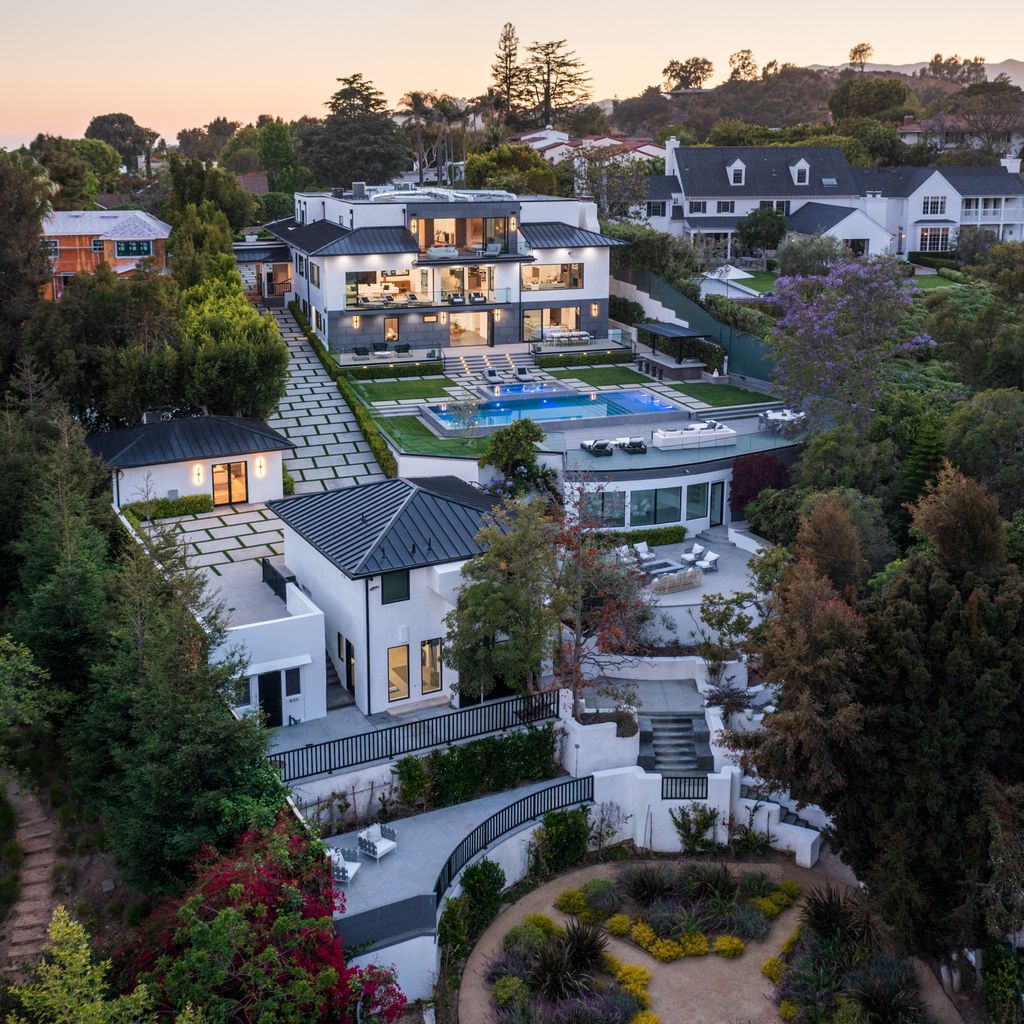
(445, 113)
(417, 104)
(43, 188)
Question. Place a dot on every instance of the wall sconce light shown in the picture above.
(197, 474)
(444, 317)
(414, 224)
(512, 223)
(356, 321)
(595, 310)
(497, 316)
(260, 466)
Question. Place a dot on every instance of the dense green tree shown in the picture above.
(234, 358)
(25, 698)
(985, 437)
(840, 457)
(358, 140)
(691, 73)
(649, 112)
(927, 673)
(732, 131)
(513, 449)
(742, 66)
(587, 119)
(77, 184)
(240, 154)
(923, 462)
(861, 96)
(879, 140)
(503, 626)
(277, 156)
(517, 168)
(617, 182)
(993, 112)
(24, 268)
(763, 228)
(968, 71)
(126, 136)
(206, 143)
(192, 182)
(555, 80)
(201, 234)
(276, 206)
(507, 77)
(1004, 267)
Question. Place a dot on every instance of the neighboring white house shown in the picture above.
(706, 191)
(556, 146)
(234, 460)
(384, 563)
(947, 131)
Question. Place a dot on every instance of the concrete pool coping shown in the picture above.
(436, 424)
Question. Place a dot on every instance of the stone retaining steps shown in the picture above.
(674, 744)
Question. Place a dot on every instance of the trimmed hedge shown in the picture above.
(958, 276)
(367, 424)
(653, 535)
(708, 352)
(743, 318)
(427, 369)
(547, 362)
(626, 311)
(164, 508)
(923, 259)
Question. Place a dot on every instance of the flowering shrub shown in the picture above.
(618, 925)
(666, 950)
(767, 906)
(643, 935)
(788, 1009)
(253, 939)
(645, 1017)
(543, 922)
(632, 977)
(790, 944)
(509, 989)
(572, 901)
(790, 888)
(729, 946)
(694, 944)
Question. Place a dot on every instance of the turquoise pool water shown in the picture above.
(595, 405)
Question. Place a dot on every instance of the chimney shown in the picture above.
(671, 145)
(1011, 163)
(908, 118)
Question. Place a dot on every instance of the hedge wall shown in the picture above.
(367, 424)
(924, 259)
(428, 369)
(653, 535)
(623, 355)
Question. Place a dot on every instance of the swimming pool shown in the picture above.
(494, 391)
(560, 409)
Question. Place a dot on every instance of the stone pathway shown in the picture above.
(331, 451)
(29, 918)
(231, 533)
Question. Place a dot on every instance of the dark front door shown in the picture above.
(350, 667)
(270, 696)
(717, 503)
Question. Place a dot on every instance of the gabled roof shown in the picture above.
(391, 525)
(892, 181)
(661, 187)
(817, 218)
(183, 440)
(269, 252)
(968, 181)
(702, 171)
(556, 235)
(322, 238)
(112, 224)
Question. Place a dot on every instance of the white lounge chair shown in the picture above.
(693, 554)
(643, 552)
(377, 840)
(524, 375)
(623, 553)
(709, 563)
(492, 376)
(344, 864)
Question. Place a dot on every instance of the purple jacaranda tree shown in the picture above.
(836, 333)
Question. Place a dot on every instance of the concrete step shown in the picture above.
(37, 843)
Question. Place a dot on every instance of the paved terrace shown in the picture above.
(228, 535)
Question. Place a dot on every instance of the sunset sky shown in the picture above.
(179, 64)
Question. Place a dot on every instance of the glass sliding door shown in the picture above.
(230, 483)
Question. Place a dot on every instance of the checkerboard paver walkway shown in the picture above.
(234, 533)
(331, 451)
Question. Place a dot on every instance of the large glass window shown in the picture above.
(655, 506)
(934, 239)
(932, 206)
(547, 276)
(314, 275)
(398, 672)
(550, 324)
(241, 693)
(696, 501)
(391, 328)
(134, 247)
(230, 483)
(97, 245)
(430, 665)
(292, 682)
(473, 236)
(394, 587)
(605, 508)
(383, 288)
(52, 247)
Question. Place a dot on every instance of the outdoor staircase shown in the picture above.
(786, 816)
(675, 744)
(474, 363)
(715, 535)
(337, 695)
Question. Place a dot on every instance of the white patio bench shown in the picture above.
(377, 840)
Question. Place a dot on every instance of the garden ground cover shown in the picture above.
(408, 387)
(415, 438)
(600, 376)
(719, 395)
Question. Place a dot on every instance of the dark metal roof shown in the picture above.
(938, 222)
(309, 238)
(983, 181)
(269, 253)
(391, 525)
(555, 235)
(702, 171)
(661, 187)
(727, 221)
(891, 181)
(367, 241)
(671, 330)
(182, 440)
(816, 218)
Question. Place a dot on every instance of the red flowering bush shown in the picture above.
(751, 474)
(253, 940)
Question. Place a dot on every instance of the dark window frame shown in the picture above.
(293, 678)
(392, 578)
(133, 248)
(408, 681)
(424, 644)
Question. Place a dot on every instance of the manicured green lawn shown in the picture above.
(598, 376)
(760, 280)
(408, 387)
(414, 438)
(719, 395)
(932, 281)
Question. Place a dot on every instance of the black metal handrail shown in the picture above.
(529, 808)
(398, 740)
(684, 787)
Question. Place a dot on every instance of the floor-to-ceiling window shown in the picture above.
(469, 328)
(552, 276)
(430, 665)
(230, 483)
(398, 672)
(655, 506)
(696, 501)
(550, 323)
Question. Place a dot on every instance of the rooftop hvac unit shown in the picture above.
(358, 189)
(150, 417)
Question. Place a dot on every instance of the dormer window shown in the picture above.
(801, 175)
(801, 171)
(737, 173)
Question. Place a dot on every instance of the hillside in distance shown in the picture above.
(1013, 69)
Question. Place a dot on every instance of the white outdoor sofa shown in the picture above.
(377, 840)
(344, 864)
(695, 435)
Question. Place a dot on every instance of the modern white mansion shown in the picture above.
(706, 191)
(433, 268)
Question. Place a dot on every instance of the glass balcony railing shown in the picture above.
(399, 300)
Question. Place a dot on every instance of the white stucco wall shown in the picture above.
(158, 481)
